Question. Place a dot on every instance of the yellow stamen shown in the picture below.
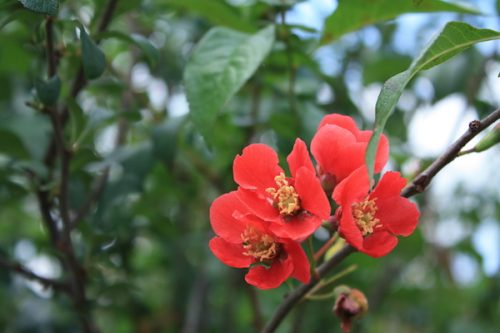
(285, 196)
(364, 214)
(260, 246)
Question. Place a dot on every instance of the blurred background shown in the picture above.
(144, 241)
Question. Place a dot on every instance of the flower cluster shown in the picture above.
(263, 222)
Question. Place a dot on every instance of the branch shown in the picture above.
(418, 185)
(421, 182)
(295, 296)
(28, 274)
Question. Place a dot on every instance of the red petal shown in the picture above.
(379, 244)
(389, 185)
(259, 204)
(337, 151)
(382, 155)
(340, 120)
(299, 157)
(349, 230)
(352, 189)
(229, 253)
(312, 196)
(267, 278)
(398, 215)
(301, 267)
(222, 217)
(256, 168)
(297, 228)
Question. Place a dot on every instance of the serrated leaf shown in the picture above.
(352, 15)
(48, 91)
(49, 7)
(150, 51)
(93, 59)
(219, 66)
(453, 39)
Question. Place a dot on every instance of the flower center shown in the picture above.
(260, 246)
(364, 214)
(285, 197)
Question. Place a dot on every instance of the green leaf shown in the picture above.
(489, 140)
(217, 12)
(11, 145)
(49, 7)
(453, 39)
(33, 131)
(150, 51)
(352, 15)
(219, 66)
(48, 91)
(165, 140)
(94, 61)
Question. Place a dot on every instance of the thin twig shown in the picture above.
(295, 296)
(28, 274)
(421, 182)
(325, 247)
(417, 186)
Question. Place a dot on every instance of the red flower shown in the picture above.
(339, 148)
(296, 206)
(370, 221)
(243, 240)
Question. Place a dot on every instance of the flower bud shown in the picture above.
(350, 304)
(328, 181)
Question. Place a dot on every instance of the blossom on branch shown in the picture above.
(339, 148)
(294, 206)
(371, 220)
(243, 240)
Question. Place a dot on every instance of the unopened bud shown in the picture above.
(327, 180)
(350, 304)
(489, 140)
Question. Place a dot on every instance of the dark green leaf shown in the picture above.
(32, 130)
(48, 91)
(352, 15)
(94, 61)
(219, 66)
(42, 6)
(453, 39)
(12, 146)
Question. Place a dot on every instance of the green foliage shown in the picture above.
(219, 66)
(216, 11)
(352, 15)
(149, 50)
(93, 59)
(48, 91)
(49, 7)
(453, 39)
